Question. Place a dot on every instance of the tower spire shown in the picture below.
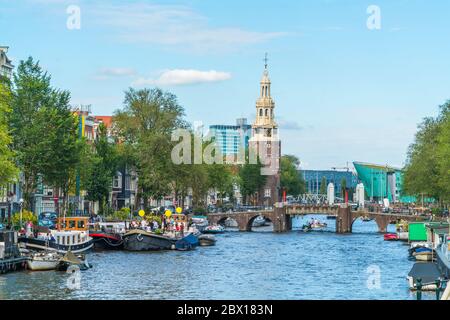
(265, 61)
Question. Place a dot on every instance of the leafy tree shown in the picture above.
(291, 180)
(44, 130)
(8, 169)
(220, 179)
(251, 180)
(104, 164)
(427, 169)
(145, 125)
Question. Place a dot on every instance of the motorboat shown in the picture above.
(427, 272)
(207, 240)
(423, 254)
(366, 219)
(187, 242)
(306, 228)
(214, 229)
(71, 234)
(331, 217)
(43, 261)
(72, 260)
(231, 223)
(318, 225)
(390, 237)
(107, 235)
(259, 221)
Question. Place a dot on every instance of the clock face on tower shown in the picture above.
(268, 132)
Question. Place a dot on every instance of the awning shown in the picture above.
(428, 272)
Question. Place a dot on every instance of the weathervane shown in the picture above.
(265, 61)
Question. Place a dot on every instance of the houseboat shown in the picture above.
(172, 238)
(71, 234)
(10, 256)
(107, 235)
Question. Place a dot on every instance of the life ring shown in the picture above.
(139, 238)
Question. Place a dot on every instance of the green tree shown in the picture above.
(220, 178)
(291, 180)
(103, 167)
(427, 167)
(43, 129)
(145, 125)
(8, 169)
(251, 180)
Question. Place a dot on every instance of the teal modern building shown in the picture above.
(232, 139)
(381, 182)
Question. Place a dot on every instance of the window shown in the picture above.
(267, 192)
(260, 112)
(117, 182)
(80, 224)
(267, 112)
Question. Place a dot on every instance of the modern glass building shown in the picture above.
(232, 139)
(313, 180)
(381, 181)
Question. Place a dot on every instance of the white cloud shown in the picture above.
(173, 25)
(108, 73)
(178, 77)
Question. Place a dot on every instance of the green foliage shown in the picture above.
(43, 129)
(8, 169)
(291, 180)
(101, 168)
(145, 126)
(122, 214)
(26, 216)
(250, 179)
(427, 169)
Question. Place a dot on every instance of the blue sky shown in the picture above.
(343, 92)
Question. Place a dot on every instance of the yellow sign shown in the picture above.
(168, 213)
(142, 213)
(179, 210)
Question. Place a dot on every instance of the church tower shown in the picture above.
(265, 141)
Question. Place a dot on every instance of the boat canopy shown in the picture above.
(428, 272)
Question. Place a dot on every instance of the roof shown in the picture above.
(428, 272)
(376, 166)
(106, 120)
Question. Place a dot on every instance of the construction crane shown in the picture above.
(342, 168)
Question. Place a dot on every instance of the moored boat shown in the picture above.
(107, 235)
(43, 261)
(141, 240)
(72, 260)
(72, 234)
(207, 240)
(390, 237)
(214, 229)
(259, 221)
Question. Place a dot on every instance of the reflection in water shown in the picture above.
(256, 265)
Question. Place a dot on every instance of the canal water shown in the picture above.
(256, 265)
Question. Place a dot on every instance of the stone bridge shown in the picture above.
(282, 217)
(281, 221)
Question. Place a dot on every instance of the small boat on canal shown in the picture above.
(390, 237)
(214, 229)
(259, 221)
(72, 234)
(141, 240)
(72, 260)
(43, 261)
(107, 235)
(207, 240)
